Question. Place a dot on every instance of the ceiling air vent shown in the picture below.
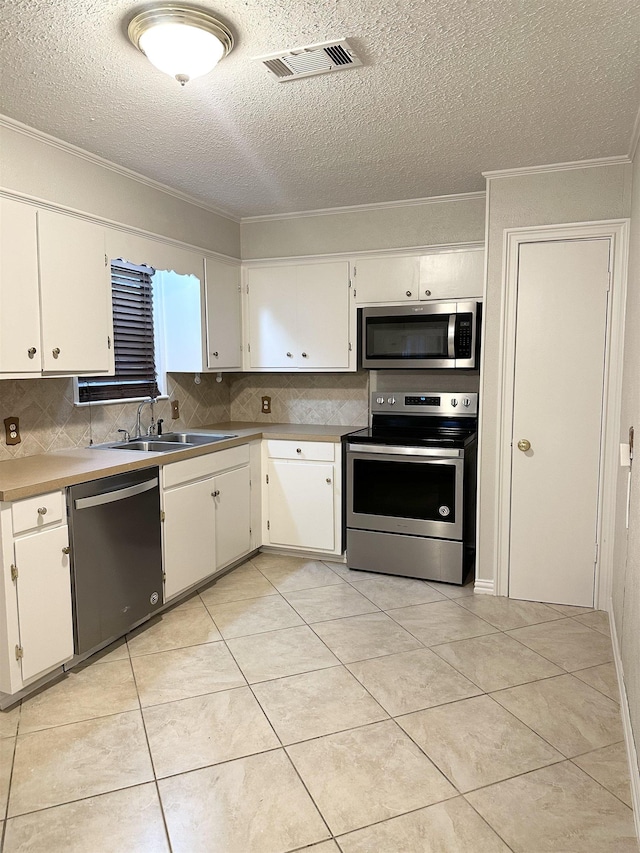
(307, 61)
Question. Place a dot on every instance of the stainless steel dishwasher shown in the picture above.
(116, 555)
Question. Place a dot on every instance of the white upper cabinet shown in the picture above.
(299, 317)
(20, 350)
(55, 294)
(75, 295)
(413, 278)
(224, 315)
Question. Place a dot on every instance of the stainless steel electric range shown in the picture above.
(411, 486)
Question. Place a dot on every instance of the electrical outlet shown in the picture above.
(175, 409)
(12, 430)
(266, 405)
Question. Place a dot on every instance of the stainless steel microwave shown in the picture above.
(435, 334)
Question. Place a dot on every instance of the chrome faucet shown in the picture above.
(152, 426)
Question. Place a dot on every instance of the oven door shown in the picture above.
(410, 490)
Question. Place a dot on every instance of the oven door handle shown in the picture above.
(397, 450)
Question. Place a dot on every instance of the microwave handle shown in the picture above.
(451, 335)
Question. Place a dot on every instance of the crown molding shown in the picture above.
(360, 208)
(54, 142)
(635, 136)
(620, 160)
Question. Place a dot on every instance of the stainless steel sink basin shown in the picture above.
(169, 441)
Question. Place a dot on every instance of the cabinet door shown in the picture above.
(452, 275)
(188, 536)
(273, 338)
(224, 328)
(44, 601)
(75, 295)
(394, 279)
(301, 504)
(323, 315)
(20, 350)
(233, 515)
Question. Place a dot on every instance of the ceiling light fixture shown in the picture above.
(181, 41)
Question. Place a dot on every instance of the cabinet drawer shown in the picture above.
(317, 451)
(176, 473)
(41, 511)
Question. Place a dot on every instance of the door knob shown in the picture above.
(524, 445)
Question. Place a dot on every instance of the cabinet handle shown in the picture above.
(31, 352)
(56, 352)
(66, 549)
(427, 293)
(42, 510)
(408, 293)
(216, 493)
(298, 450)
(214, 354)
(304, 355)
(289, 355)
(329, 480)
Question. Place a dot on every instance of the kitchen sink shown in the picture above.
(168, 442)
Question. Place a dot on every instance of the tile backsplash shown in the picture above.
(297, 398)
(50, 421)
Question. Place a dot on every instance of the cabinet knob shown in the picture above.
(304, 355)
(427, 293)
(298, 450)
(408, 293)
(214, 354)
(289, 355)
(42, 510)
(56, 352)
(66, 550)
(328, 479)
(216, 493)
(31, 352)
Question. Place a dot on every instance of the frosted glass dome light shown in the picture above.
(183, 42)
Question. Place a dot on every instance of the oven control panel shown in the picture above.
(460, 404)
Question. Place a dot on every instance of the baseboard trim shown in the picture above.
(632, 755)
(484, 587)
(303, 554)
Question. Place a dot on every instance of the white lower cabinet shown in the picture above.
(36, 622)
(303, 496)
(207, 520)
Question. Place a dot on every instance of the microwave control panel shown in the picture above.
(464, 334)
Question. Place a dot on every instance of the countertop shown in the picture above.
(46, 472)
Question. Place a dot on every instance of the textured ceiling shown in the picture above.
(449, 88)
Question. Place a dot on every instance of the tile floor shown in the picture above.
(295, 704)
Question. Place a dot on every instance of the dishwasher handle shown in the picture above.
(118, 495)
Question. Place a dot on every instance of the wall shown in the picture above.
(626, 572)
(429, 222)
(553, 197)
(41, 167)
(313, 398)
(49, 420)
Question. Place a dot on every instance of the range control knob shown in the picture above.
(391, 401)
(466, 402)
(454, 402)
(379, 400)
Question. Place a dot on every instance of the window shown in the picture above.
(133, 339)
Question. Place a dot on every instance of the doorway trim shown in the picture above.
(617, 231)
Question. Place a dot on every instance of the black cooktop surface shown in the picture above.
(417, 437)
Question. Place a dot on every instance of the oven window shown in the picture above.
(408, 337)
(420, 490)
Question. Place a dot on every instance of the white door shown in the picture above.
(20, 350)
(394, 279)
(558, 398)
(188, 536)
(233, 515)
(44, 601)
(75, 294)
(223, 315)
(323, 316)
(301, 504)
(273, 338)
